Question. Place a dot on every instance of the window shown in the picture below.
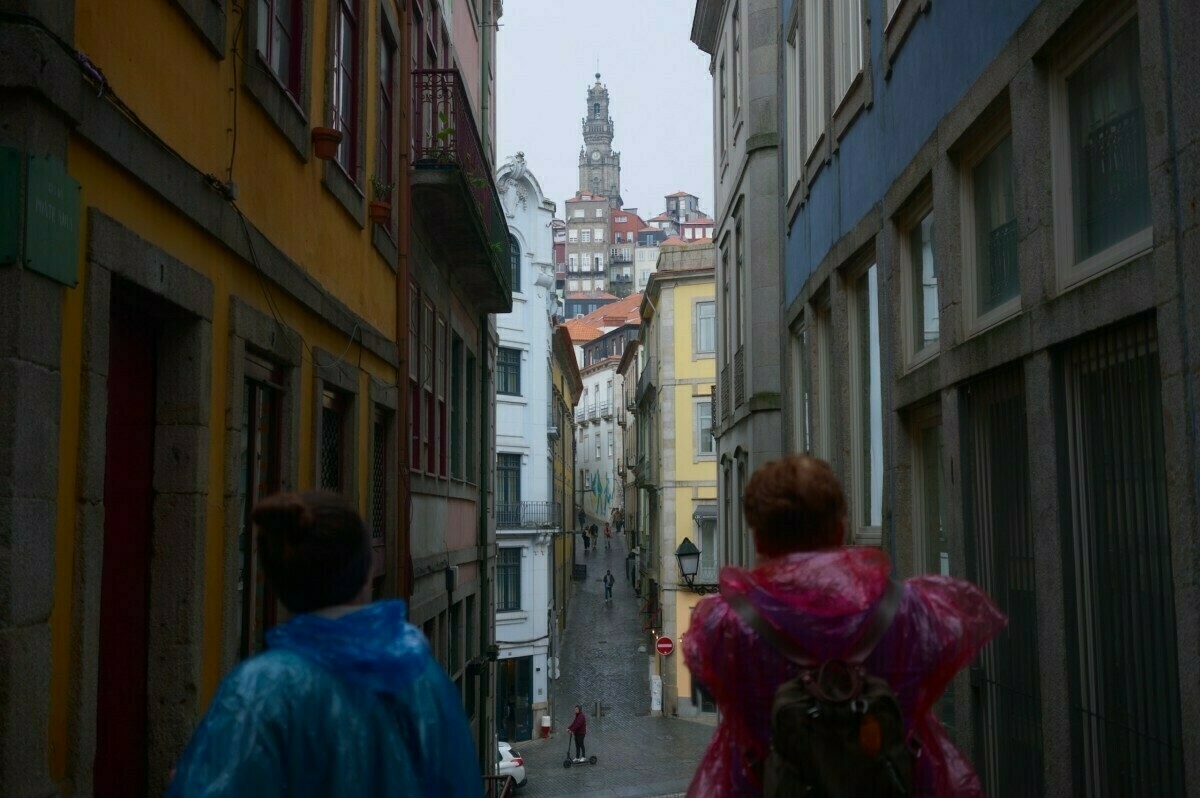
(578, 213)
(1120, 595)
(990, 274)
(598, 235)
(706, 444)
(508, 371)
(599, 213)
(572, 236)
(471, 404)
(706, 327)
(514, 257)
(801, 388)
(429, 411)
(736, 58)
(443, 431)
(610, 445)
(721, 89)
(414, 375)
(932, 550)
(999, 541)
(345, 85)
(585, 237)
(572, 262)
(387, 84)
(794, 139)
(380, 479)
(824, 443)
(598, 262)
(333, 441)
(280, 42)
(920, 288)
(1101, 181)
(508, 580)
(617, 238)
(847, 45)
(262, 406)
(508, 489)
(739, 301)
(457, 450)
(867, 409)
(597, 445)
(814, 74)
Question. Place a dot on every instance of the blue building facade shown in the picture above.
(988, 247)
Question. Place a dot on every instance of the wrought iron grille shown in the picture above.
(379, 484)
(1125, 700)
(446, 137)
(1000, 558)
(526, 515)
(1002, 265)
(725, 405)
(739, 376)
(331, 449)
(1115, 187)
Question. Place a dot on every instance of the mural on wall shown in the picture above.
(602, 493)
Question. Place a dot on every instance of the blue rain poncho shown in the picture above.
(352, 706)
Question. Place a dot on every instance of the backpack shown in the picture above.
(836, 730)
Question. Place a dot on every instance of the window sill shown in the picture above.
(279, 106)
(511, 616)
(994, 317)
(855, 100)
(895, 33)
(926, 355)
(1117, 255)
(207, 17)
(346, 191)
(385, 245)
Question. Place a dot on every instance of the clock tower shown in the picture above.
(599, 166)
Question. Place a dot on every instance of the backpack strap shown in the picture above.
(881, 619)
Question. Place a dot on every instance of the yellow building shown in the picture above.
(213, 290)
(566, 388)
(677, 473)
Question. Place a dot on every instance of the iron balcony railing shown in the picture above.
(725, 405)
(606, 410)
(580, 413)
(647, 378)
(445, 136)
(739, 376)
(528, 515)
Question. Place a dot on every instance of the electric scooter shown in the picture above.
(590, 760)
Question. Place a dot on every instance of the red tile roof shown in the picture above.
(580, 331)
(674, 241)
(626, 309)
(680, 194)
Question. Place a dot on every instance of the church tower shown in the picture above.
(599, 166)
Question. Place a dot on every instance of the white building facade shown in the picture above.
(528, 514)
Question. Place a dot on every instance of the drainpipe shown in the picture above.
(402, 558)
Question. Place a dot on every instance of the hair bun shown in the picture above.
(286, 513)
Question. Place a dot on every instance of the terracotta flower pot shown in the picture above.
(380, 212)
(325, 142)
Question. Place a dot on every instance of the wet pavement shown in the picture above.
(639, 753)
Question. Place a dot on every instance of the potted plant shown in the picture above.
(380, 208)
(325, 142)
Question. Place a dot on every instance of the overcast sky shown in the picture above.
(659, 89)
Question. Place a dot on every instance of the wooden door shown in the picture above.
(120, 766)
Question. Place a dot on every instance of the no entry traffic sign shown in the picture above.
(664, 646)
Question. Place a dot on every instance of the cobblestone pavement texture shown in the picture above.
(639, 753)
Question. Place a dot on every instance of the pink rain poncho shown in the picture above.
(822, 601)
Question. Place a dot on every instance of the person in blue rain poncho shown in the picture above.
(347, 700)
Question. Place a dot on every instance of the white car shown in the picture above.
(509, 762)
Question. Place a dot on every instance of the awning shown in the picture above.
(705, 512)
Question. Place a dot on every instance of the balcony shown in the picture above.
(619, 256)
(647, 379)
(725, 406)
(739, 377)
(528, 515)
(453, 191)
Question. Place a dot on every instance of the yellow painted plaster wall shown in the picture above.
(108, 188)
(162, 69)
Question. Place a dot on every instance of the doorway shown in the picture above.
(121, 707)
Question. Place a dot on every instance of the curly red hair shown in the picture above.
(795, 504)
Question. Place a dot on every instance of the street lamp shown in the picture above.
(689, 565)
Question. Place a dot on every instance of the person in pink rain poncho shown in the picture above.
(821, 595)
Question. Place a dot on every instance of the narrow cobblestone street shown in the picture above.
(640, 753)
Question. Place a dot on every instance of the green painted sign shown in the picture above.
(52, 220)
(10, 204)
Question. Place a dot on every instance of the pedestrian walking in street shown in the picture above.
(608, 584)
(587, 539)
(347, 700)
(578, 728)
(821, 599)
(607, 537)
